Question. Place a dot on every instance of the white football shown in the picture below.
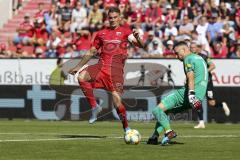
(132, 136)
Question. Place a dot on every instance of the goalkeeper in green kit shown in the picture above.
(190, 96)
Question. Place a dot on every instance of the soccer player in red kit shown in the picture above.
(108, 72)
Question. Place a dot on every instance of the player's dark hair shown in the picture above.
(114, 9)
(181, 43)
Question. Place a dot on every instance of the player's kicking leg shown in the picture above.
(121, 110)
(162, 124)
(86, 86)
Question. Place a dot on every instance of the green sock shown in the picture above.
(162, 118)
(158, 129)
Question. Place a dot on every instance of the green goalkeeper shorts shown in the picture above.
(177, 100)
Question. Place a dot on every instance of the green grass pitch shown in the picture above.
(72, 140)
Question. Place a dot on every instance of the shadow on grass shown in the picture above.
(82, 136)
(169, 144)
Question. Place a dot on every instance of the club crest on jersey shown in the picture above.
(118, 33)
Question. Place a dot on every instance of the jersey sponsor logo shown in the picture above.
(113, 45)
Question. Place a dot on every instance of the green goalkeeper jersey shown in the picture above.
(177, 100)
(196, 63)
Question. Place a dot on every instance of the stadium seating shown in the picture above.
(8, 30)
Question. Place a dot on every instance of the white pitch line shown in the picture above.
(47, 139)
(194, 136)
(41, 133)
(210, 136)
(93, 138)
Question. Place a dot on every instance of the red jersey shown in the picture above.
(112, 44)
(154, 13)
(222, 54)
(40, 33)
(72, 2)
(28, 27)
(109, 3)
(61, 47)
(82, 43)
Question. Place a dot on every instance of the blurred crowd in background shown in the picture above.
(68, 27)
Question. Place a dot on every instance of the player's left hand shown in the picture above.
(194, 102)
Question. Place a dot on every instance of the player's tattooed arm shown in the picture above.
(190, 80)
(83, 61)
(193, 100)
(139, 41)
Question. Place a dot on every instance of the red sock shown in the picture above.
(88, 92)
(122, 115)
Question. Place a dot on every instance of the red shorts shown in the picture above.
(108, 80)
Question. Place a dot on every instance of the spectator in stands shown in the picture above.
(224, 11)
(95, 18)
(159, 17)
(52, 44)
(236, 52)
(151, 46)
(170, 15)
(40, 35)
(155, 51)
(19, 53)
(153, 17)
(25, 31)
(199, 5)
(219, 50)
(185, 11)
(214, 7)
(135, 52)
(82, 42)
(4, 53)
(136, 16)
(214, 28)
(169, 51)
(39, 15)
(197, 15)
(200, 40)
(186, 28)
(70, 53)
(61, 46)
(228, 34)
(62, 3)
(79, 17)
(65, 17)
(51, 18)
(170, 30)
(202, 27)
(237, 15)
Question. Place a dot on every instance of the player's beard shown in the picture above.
(114, 25)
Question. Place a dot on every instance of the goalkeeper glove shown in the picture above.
(194, 102)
